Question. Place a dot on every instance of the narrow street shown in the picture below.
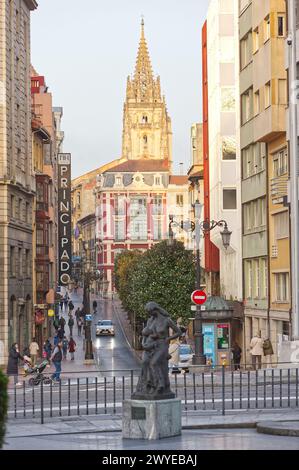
(111, 353)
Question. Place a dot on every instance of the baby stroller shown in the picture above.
(37, 373)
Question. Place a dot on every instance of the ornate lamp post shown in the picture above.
(198, 226)
(88, 277)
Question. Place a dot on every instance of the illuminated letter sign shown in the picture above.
(64, 218)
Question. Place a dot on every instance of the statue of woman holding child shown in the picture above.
(154, 382)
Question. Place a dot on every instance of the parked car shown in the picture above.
(105, 327)
(185, 355)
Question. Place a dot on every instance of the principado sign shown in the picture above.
(199, 297)
(64, 218)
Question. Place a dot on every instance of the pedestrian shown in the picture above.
(62, 322)
(71, 325)
(47, 349)
(77, 314)
(94, 306)
(56, 358)
(56, 339)
(13, 363)
(66, 301)
(33, 349)
(237, 353)
(256, 350)
(79, 325)
(60, 333)
(56, 322)
(268, 351)
(72, 348)
(65, 345)
(61, 304)
(71, 307)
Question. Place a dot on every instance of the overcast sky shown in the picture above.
(87, 49)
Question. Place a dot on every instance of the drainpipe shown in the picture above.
(294, 167)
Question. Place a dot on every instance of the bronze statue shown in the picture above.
(154, 382)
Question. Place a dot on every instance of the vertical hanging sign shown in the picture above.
(64, 219)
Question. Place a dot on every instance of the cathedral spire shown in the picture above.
(143, 71)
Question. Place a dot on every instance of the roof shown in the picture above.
(131, 166)
(178, 180)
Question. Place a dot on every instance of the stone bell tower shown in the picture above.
(146, 125)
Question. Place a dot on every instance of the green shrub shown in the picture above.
(3, 405)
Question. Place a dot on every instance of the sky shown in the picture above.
(87, 49)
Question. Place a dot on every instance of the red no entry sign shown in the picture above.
(199, 297)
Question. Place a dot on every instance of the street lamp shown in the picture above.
(198, 227)
(88, 277)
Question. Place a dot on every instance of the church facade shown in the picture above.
(136, 196)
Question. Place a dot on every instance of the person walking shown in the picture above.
(77, 313)
(61, 305)
(71, 307)
(94, 306)
(13, 363)
(71, 325)
(56, 358)
(237, 353)
(65, 345)
(66, 301)
(72, 348)
(79, 326)
(268, 351)
(56, 322)
(62, 322)
(48, 349)
(33, 349)
(256, 350)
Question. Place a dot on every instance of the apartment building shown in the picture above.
(264, 155)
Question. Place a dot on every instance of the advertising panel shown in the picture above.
(64, 219)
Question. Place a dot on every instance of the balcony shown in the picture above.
(279, 189)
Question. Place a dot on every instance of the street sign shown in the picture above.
(88, 317)
(199, 297)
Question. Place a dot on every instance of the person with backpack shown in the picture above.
(56, 358)
(62, 322)
(65, 345)
(72, 348)
(71, 324)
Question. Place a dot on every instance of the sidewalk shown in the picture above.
(263, 420)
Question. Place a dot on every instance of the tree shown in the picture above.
(124, 263)
(164, 274)
(3, 406)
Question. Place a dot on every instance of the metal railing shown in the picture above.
(219, 390)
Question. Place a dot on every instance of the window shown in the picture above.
(247, 105)
(157, 205)
(256, 39)
(20, 260)
(28, 218)
(157, 180)
(248, 279)
(78, 200)
(138, 217)
(229, 199)
(282, 92)
(268, 100)
(256, 103)
(12, 206)
(246, 50)
(28, 263)
(228, 100)
(256, 278)
(157, 229)
(20, 209)
(120, 229)
(281, 287)
(120, 206)
(144, 119)
(281, 225)
(280, 162)
(229, 148)
(254, 215)
(267, 28)
(180, 200)
(12, 261)
(281, 25)
(253, 159)
(145, 139)
(118, 180)
(264, 278)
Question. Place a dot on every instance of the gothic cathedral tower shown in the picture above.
(146, 126)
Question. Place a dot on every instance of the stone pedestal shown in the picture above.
(156, 419)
